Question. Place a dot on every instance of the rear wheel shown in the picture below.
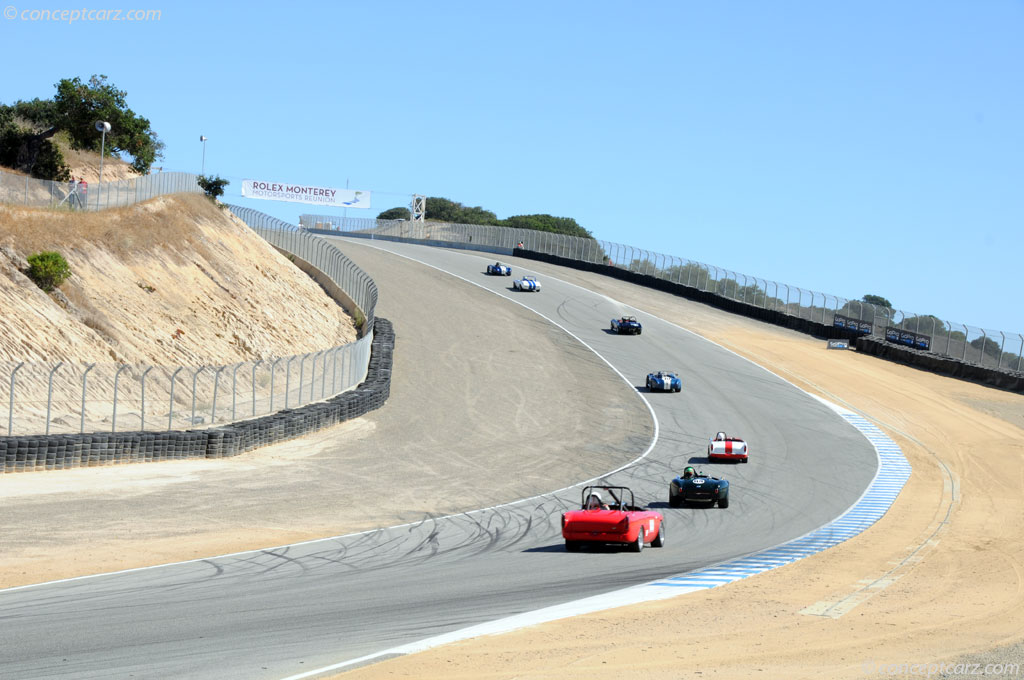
(674, 502)
(572, 546)
(723, 502)
(638, 544)
(659, 540)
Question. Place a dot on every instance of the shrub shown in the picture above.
(48, 270)
(213, 186)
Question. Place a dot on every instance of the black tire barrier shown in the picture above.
(941, 364)
(929, 361)
(66, 451)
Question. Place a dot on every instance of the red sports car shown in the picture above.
(609, 514)
(727, 448)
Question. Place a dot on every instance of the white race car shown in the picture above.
(722, 447)
(526, 283)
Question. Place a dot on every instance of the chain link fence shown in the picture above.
(41, 193)
(68, 397)
(979, 346)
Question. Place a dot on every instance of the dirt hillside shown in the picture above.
(174, 280)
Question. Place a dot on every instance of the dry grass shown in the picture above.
(161, 223)
(173, 280)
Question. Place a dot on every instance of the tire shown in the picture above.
(723, 502)
(659, 540)
(572, 546)
(638, 332)
(673, 502)
(746, 460)
(638, 545)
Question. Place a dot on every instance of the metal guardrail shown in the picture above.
(980, 346)
(72, 397)
(41, 193)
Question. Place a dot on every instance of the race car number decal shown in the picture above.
(652, 525)
(698, 481)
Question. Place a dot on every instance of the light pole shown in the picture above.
(203, 138)
(103, 127)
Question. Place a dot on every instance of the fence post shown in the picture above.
(302, 375)
(142, 409)
(1020, 354)
(234, 388)
(49, 395)
(113, 419)
(312, 377)
(216, 381)
(170, 411)
(334, 370)
(287, 380)
(85, 376)
(10, 400)
(254, 367)
(195, 377)
(964, 357)
(273, 367)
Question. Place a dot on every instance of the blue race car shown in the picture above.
(499, 269)
(627, 324)
(526, 283)
(663, 381)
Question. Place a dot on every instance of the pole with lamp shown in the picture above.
(103, 127)
(203, 138)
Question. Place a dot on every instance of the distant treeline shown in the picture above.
(445, 210)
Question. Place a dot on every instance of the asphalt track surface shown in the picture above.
(280, 612)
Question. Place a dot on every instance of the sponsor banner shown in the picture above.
(304, 193)
(838, 344)
(904, 337)
(840, 321)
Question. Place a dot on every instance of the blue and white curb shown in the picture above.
(892, 474)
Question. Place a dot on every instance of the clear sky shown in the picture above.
(845, 147)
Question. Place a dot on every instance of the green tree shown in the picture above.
(49, 161)
(543, 222)
(213, 186)
(876, 300)
(48, 269)
(398, 213)
(74, 110)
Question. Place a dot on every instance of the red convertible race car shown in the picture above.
(727, 448)
(609, 514)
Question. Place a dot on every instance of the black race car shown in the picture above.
(696, 487)
(627, 324)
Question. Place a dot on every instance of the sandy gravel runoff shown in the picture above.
(940, 576)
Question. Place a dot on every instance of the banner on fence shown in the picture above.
(905, 337)
(838, 343)
(304, 193)
(840, 321)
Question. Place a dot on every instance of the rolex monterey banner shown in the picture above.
(303, 193)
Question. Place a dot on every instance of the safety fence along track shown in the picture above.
(79, 195)
(153, 413)
(58, 452)
(944, 346)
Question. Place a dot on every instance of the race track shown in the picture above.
(275, 613)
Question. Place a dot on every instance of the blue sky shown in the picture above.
(849, 148)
